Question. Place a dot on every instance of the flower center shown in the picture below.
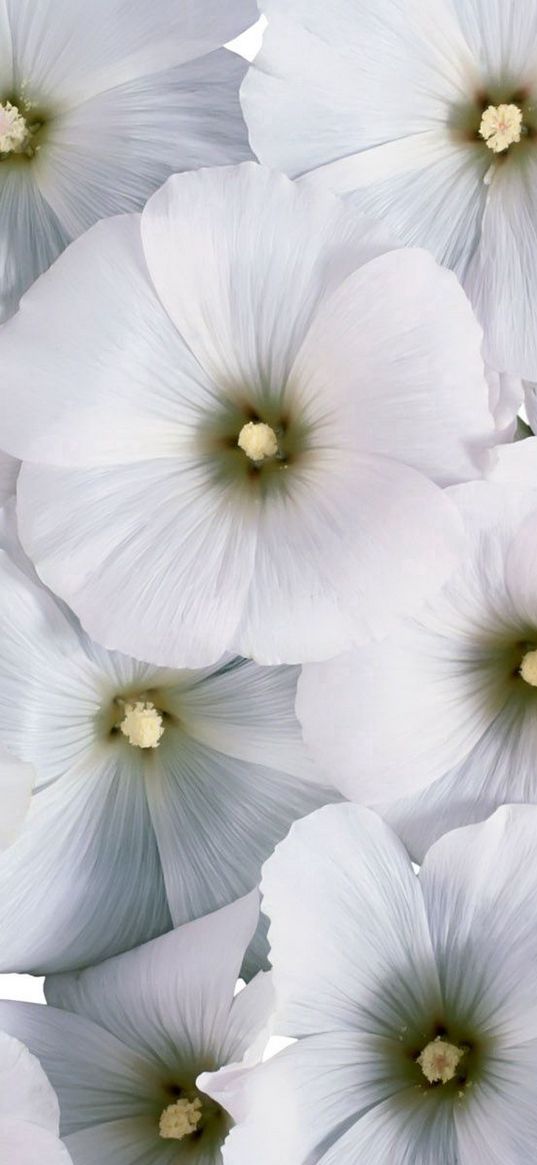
(439, 1061)
(528, 668)
(180, 1119)
(142, 724)
(258, 441)
(501, 126)
(14, 132)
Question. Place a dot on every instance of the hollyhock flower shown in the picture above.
(217, 454)
(98, 104)
(125, 1042)
(29, 1111)
(159, 793)
(438, 724)
(413, 999)
(423, 113)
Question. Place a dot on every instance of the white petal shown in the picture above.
(124, 1142)
(411, 376)
(500, 1124)
(159, 558)
(216, 820)
(516, 464)
(352, 546)
(170, 999)
(25, 1092)
(520, 568)
(479, 886)
(294, 1105)
(95, 1076)
(68, 53)
(16, 784)
(506, 399)
(9, 470)
(249, 1025)
(346, 914)
(502, 281)
(135, 394)
(500, 34)
(23, 1143)
(83, 879)
(30, 239)
(108, 154)
(258, 254)
(401, 1130)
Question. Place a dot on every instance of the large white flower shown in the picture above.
(99, 102)
(413, 999)
(425, 112)
(159, 794)
(124, 1043)
(29, 1110)
(224, 406)
(448, 703)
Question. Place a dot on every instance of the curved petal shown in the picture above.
(216, 820)
(96, 1077)
(520, 569)
(258, 255)
(355, 543)
(25, 1092)
(160, 558)
(16, 784)
(123, 1142)
(116, 383)
(486, 1131)
(502, 279)
(69, 53)
(30, 239)
(83, 879)
(22, 1142)
(249, 1026)
(346, 917)
(169, 1000)
(317, 1087)
(411, 376)
(479, 888)
(108, 154)
(399, 1130)
(9, 471)
(498, 37)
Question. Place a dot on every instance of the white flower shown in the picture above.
(423, 112)
(445, 708)
(99, 102)
(125, 1042)
(29, 1112)
(413, 999)
(159, 793)
(161, 362)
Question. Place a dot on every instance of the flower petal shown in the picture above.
(69, 53)
(30, 239)
(108, 154)
(346, 915)
(216, 820)
(125, 1142)
(22, 1142)
(258, 254)
(170, 999)
(486, 1131)
(479, 887)
(317, 1088)
(498, 37)
(25, 1092)
(502, 280)
(402, 1129)
(95, 1076)
(383, 371)
(9, 471)
(16, 784)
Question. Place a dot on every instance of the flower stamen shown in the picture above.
(142, 724)
(14, 132)
(180, 1119)
(258, 441)
(439, 1061)
(528, 668)
(501, 126)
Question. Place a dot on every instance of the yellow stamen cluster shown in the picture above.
(13, 129)
(142, 724)
(258, 441)
(528, 668)
(439, 1061)
(180, 1119)
(501, 126)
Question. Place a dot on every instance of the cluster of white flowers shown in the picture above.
(268, 582)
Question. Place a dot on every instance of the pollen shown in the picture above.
(501, 126)
(258, 441)
(13, 129)
(528, 668)
(180, 1119)
(142, 725)
(439, 1061)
